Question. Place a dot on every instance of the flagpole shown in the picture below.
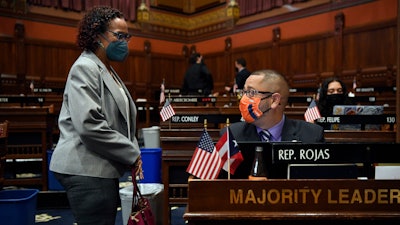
(229, 149)
(169, 99)
(162, 91)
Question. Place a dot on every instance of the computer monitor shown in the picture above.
(357, 110)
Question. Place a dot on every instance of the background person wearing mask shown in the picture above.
(332, 92)
(198, 79)
(262, 106)
(97, 141)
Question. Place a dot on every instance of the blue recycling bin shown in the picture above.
(52, 182)
(18, 206)
(151, 164)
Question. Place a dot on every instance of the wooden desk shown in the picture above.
(3, 149)
(22, 100)
(180, 135)
(177, 153)
(342, 136)
(194, 116)
(177, 149)
(293, 202)
(29, 134)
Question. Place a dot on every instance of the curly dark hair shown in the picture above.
(94, 22)
(324, 107)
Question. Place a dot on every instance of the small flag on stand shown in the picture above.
(312, 113)
(229, 152)
(32, 86)
(354, 83)
(162, 93)
(205, 163)
(167, 111)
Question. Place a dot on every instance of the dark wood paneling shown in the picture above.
(169, 68)
(326, 52)
(368, 46)
(7, 56)
(49, 59)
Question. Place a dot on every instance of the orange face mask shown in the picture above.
(249, 108)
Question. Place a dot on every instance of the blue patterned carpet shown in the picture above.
(64, 217)
(56, 212)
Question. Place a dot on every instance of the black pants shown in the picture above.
(93, 200)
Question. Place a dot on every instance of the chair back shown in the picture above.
(3, 150)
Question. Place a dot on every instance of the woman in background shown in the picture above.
(332, 92)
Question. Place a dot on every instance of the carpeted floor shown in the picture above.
(64, 217)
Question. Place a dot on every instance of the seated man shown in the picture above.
(262, 105)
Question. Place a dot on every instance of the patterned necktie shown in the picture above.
(265, 135)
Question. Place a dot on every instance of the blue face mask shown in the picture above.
(117, 51)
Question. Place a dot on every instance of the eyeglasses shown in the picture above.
(121, 35)
(250, 93)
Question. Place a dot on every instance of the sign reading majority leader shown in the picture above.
(295, 195)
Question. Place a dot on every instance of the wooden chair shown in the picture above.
(3, 149)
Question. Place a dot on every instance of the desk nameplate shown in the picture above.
(193, 99)
(327, 196)
(358, 119)
(22, 99)
(48, 90)
(334, 153)
(188, 118)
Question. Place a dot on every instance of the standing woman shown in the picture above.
(97, 121)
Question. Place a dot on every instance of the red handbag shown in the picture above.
(141, 213)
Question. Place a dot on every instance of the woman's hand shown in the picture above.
(138, 168)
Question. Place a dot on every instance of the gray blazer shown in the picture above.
(93, 123)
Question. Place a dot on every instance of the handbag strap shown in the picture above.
(136, 192)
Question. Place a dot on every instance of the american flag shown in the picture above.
(229, 152)
(205, 163)
(312, 113)
(167, 111)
